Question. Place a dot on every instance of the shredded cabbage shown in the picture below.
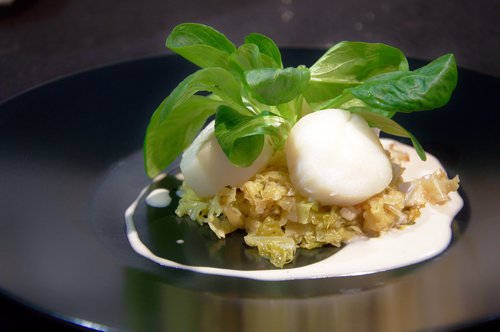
(278, 220)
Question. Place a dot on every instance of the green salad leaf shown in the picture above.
(266, 46)
(348, 64)
(213, 79)
(241, 137)
(276, 86)
(248, 57)
(254, 98)
(167, 138)
(200, 44)
(426, 88)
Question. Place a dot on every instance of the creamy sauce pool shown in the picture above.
(428, 237)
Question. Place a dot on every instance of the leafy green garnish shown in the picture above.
(167, 138)
(276, 86)
(200, 44)
(266, 46)
(426, 88)
(254, 98)
(248, 57)
(348, 64)
(241, 137)
(213, 79)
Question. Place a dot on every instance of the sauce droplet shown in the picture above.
(159, 198)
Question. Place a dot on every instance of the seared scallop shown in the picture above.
(335, 158)
(207, 170)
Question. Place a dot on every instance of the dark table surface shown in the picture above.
(44, 39)
(41, 40)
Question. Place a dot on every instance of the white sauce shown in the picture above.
(427, 238)
(159, 198)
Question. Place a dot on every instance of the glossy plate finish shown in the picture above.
(71, 163)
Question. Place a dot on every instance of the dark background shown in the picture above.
(46, 39)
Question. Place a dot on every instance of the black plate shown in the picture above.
(70, 164)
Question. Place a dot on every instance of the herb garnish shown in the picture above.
(252, 95)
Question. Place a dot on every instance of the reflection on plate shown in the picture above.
(71, 163)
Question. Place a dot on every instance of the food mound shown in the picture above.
(293, 155)
(278, 220)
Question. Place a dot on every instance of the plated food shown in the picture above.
(293, 157)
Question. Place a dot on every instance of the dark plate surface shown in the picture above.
(71, 163)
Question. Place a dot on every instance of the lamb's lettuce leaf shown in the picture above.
(167, 138)
(266, 46)
(276, 86)
(255, 99)
(426, 88)
(348, 64)
(241, 137)
(201, 45)
(213, 79)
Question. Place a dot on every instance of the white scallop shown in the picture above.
(334, 157)
(207, 170)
